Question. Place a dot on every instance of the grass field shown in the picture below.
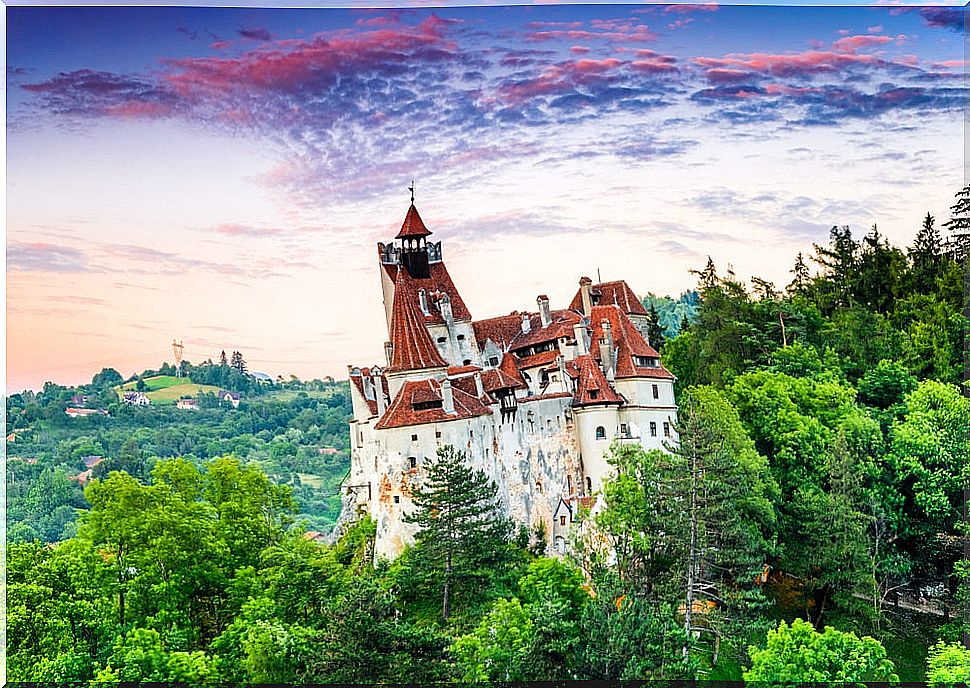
(288, 395)
(167, 389)
(312, 480)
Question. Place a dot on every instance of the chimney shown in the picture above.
(606, 349)
(544, 314)
(381, 399)
(423, 300)
(585, 288)
(388, 352)
(526, 323)
(447, 397)
(444, 305)
(579, 331)
(479, 387)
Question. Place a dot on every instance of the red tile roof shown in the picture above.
(402, 413)
(592, 386)
(610, 293)
(378, 380)
(506, 330)
(542, 358)
(629, 342)
(413, 226)
(438, 282)
(413, 348)
(499, 379)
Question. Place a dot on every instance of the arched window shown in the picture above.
(600, 432)
(589, 486)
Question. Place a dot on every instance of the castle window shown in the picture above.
(624, 430)
(413, 461)
(656, 392)
(594, 393)
(562, 520)
(666, 429)
(600, 432)
(539, 486)
(414, 438)
(461, 338)
(397, 499)
(441, 340)
(653, 428)
(437, 434)
(493, 361)
(589, 485)
(471, 433)
(467, 361)
(569, 483)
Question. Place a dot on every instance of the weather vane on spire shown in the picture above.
(411, 189)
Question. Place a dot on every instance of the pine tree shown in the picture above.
(801, 276)
(958, 245)
(223, 361)
(839, 263)
(684, 324)
(655, 331)
(462, 534)
(238, 362)
(706, 278)
(926, 255)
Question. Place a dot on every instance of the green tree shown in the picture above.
(461, 532)
(800, 654)
(497, 650)
(948, 664)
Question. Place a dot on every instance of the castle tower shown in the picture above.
(414, 244)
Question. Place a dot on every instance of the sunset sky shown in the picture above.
(221, 176)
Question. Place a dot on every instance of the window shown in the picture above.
(397, 499)
(467, 361)
(562, 520)
(539, 486)
(594, 393)
(589, 485)
(437, 434)
(624, 430)
(471, 433)
(569, 483)
(653, 428)
(413, 461)
(656, 392)
(600, 433)
(461, 338)
(666, 429)
(441, 340)
(493, 361)
(414, 438)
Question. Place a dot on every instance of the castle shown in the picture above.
(533, 398)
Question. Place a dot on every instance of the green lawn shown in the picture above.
(314, 481)
(167, 389)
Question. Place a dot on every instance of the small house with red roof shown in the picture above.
(533, 398)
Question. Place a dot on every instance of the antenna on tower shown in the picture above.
(599, 279)
(178, 348)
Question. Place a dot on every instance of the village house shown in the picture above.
(136, 399)
(81, 412)
(533, 398)
(187, 404)
(229, 397)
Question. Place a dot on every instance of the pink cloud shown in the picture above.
(700, 7)
(611, 30)
(874, 29)
(560, 78)
(795, 64)
(579, 50)
(232, 229)
(851, 44)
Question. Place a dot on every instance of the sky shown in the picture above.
(221, 176)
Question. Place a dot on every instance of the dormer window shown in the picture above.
(493, 361)
(646, 361)
(594, 393)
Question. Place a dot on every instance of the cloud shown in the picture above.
(89, 93)
(851, 44)
(254, 34)
(42, 257)
(685, 9)
(951, 18)
(232, 229)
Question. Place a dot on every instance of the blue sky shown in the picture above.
(220, 175)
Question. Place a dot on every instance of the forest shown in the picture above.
(806, 527)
